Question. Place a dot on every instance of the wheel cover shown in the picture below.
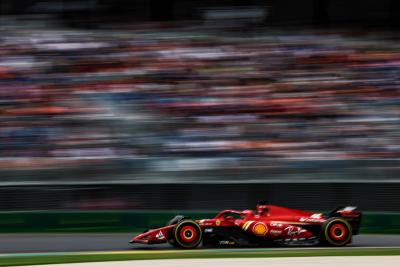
(338, 232)
(188, 233)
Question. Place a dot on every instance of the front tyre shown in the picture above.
(187, 234)
(176, 219)
(336, 232)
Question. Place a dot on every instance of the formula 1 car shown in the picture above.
(268, 225)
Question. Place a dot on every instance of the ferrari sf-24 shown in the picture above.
(268, 225)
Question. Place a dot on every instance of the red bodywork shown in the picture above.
(267, 222)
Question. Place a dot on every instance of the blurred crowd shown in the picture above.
(163, 99)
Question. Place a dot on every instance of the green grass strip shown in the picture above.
(76, 257)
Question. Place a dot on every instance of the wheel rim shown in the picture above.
(338, 232)
(188, 233)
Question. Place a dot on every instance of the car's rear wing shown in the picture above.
(342, 209)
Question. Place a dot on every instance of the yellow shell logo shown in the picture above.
(260, 229)
(217, 222)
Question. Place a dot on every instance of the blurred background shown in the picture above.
(198, 105)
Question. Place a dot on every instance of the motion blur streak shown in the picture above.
(171, 100)
(143, 104)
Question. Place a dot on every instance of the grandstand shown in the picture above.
(181, 102)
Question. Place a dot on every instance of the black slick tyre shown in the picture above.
(336, 232)
(187, 234)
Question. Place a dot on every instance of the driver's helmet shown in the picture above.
(261, 207)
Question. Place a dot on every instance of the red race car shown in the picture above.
(268, 225)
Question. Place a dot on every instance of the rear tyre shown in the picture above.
(187, 234)
(336, 232)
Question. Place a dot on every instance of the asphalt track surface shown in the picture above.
(24, 243)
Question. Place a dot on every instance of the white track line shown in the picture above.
(351, 261)
(180, 251)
